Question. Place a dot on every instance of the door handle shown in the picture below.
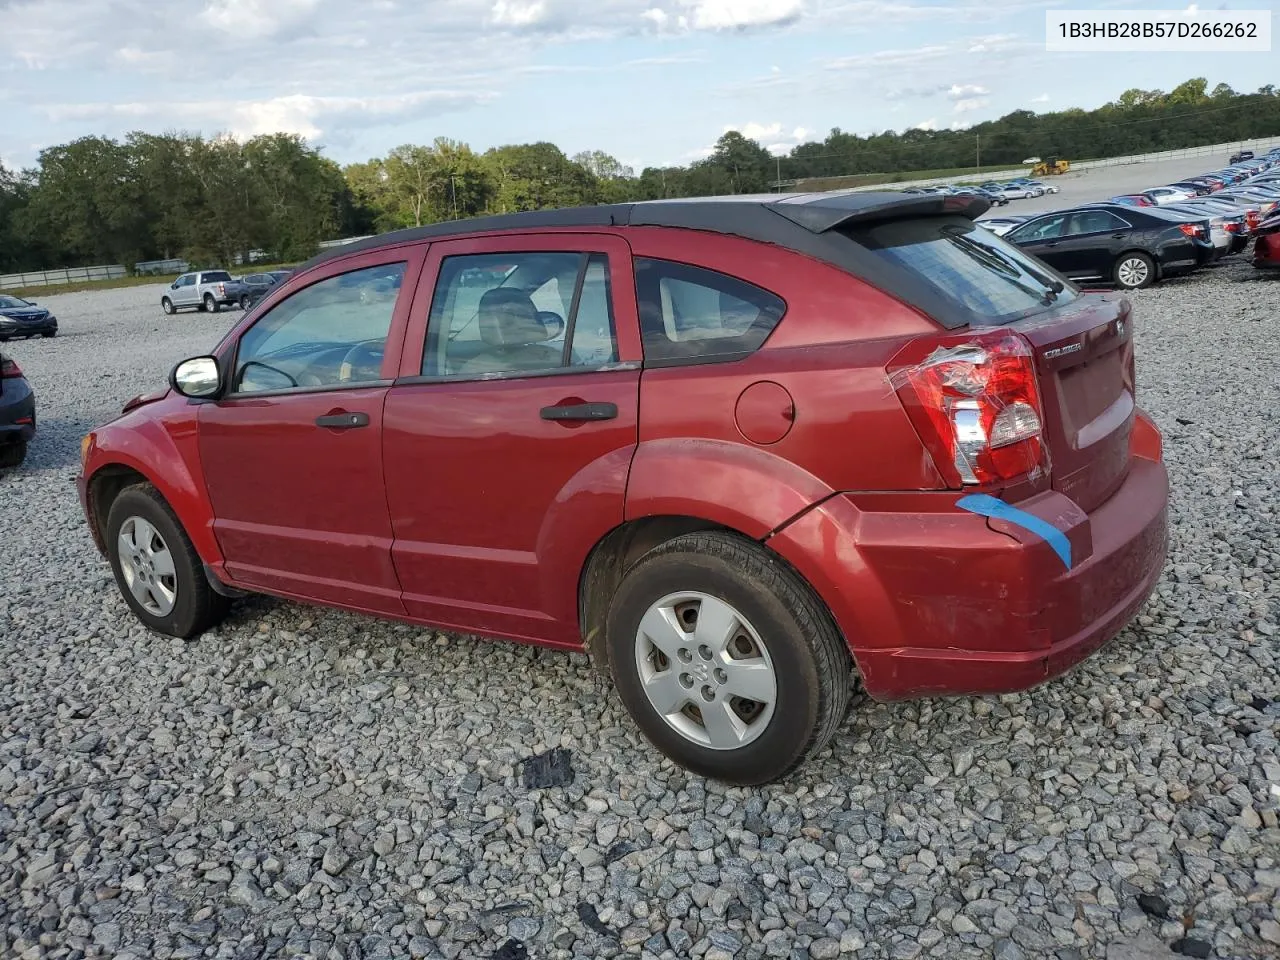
(343, 421)
(581, 411)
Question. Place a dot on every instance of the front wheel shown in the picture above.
(726, 660)
(156, 567)
(1134, 270)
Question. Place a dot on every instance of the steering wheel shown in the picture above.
(364, 353)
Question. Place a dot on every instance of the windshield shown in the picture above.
(12, 303)
(990, 280)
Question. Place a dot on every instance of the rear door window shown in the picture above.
(690, 314)
(974, 273)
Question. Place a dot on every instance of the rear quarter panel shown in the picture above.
(848, 430)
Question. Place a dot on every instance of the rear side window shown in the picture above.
(216, 276)
(691, 314)
(970, 269)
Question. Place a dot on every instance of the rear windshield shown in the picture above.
(976, 274)
(216, 276)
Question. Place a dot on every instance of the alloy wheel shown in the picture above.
(1132, 272)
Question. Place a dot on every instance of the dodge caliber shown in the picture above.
(741, 451)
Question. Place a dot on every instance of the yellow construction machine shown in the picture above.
(1051, 167)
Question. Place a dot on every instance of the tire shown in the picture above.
(47, 336)
(12, 454)
(211, 305)
(167, 305)
(1134, 270)
(244, 301)
(759, 596)
(193, 606)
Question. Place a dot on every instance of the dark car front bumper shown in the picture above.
(11, 328)
(17, 411)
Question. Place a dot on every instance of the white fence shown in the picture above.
(1222, 151)
(53, 278)
(161, 267)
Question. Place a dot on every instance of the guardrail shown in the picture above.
(53, 278)
(1223, 149)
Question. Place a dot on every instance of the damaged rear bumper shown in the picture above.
(935, 601)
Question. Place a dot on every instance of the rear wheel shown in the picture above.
(244, 301)
(167, 305)
(1134, 270)
(12, 454)
(725, 659)
(157, 569)
(211, 305)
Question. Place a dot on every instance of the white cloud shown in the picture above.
(1043, 98)
(310, 117)
(738, 14)
(256, 18)
(962, 91)
(930, 124)
(518, 13)
(970, 104)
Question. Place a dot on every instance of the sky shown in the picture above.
(651, 82)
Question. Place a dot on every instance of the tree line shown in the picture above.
(156, 196)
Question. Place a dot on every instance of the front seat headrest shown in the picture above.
(508, 318)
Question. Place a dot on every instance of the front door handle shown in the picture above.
(581, 411)
(343, 421)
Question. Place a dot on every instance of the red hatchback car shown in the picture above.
(734, 448)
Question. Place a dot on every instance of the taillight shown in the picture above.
(222, 291)
(1252, 218)
(1193, 229)
(9, 369)
(976, 406)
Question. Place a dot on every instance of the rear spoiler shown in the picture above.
(832, 211)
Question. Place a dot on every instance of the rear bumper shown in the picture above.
(17, 412)
(934, 601)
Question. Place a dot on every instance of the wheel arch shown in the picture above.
(113, 471)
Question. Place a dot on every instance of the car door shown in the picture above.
(509, 436)
(292, 452)
(184, 290)
(1090, 243)
(1041, 238)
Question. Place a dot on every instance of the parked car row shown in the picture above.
(1135, 240)
(999, 194)
(211, 290)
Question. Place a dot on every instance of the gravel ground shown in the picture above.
(307, 783)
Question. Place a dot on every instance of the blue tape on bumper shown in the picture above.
(987, 506)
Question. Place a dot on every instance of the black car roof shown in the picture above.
(787, 219)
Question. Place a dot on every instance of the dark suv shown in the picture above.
(735, 449)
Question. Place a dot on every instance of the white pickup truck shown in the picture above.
(209, 290)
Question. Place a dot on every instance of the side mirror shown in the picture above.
(197, 378)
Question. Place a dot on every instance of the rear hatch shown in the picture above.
(1081, 345)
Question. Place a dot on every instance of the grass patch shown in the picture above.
(26, 293)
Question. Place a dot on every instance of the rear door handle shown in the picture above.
(343, 421)
(581, 411)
